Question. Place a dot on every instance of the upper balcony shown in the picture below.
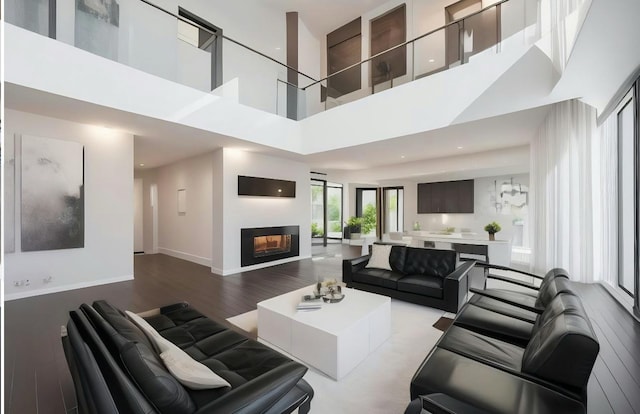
(209, 70)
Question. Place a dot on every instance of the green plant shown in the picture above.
(335, 227)
(354, 223)
(492, 228)
(368, 219)
(316, 231)
(450, 229)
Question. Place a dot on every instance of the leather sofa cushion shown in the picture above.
(494, 324)
(482, 348)
(422, 285)
(429, 262)
(378, 277)
(550, 290)
(563, 303)
(157, 384)
(562, 351)
(487, 387)
(118, 321)
(503, 308)
(397, 258)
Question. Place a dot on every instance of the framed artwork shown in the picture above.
(8, 153)
(52, 202)
(182, 202)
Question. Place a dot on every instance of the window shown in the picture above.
(38, 16)
(367, 208)
(387, 31)
(344, 48)
(393, 209)
(627, 222)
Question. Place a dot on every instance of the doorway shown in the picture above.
(326, 212)
(138, 216)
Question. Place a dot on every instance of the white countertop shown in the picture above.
(464, 238)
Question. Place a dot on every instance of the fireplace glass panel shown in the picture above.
(271, 245)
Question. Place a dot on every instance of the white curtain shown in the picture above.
(562, 181)
(605, 202)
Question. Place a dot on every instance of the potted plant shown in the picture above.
(354, 226)
(492, 229)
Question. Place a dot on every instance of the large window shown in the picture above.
(367, 208)
(393, 209)
(627, 260)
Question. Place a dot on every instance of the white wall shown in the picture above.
(187, 236)
(108, 178)
(138, 215)
(484, 210)
(242, 212)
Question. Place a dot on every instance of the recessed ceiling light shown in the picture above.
(142, 165)
(279, 190)
(278, 48)
(459, 147)
(431, 60)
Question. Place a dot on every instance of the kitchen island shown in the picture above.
(468, 244)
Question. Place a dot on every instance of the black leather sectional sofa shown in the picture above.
(428, 277)
(116, 370)
(531, 355)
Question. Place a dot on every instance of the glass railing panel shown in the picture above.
(391, 69)
(431, 55)
(32, 15)
(257, 77)
(480, 33)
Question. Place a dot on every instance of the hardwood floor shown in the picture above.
(36, 378)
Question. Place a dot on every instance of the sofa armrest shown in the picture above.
(513, 281)
(350, 266)
(259, 394)
(444, 404)
(456, 286)
(509, 269)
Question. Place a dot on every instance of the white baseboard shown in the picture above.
(64, 288)
(259, 266)
(185, 256)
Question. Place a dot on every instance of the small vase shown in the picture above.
(492, 236)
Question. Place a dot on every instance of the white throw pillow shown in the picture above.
(187, 370)
(379, 257)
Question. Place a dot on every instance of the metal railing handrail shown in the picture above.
(195, 24)
(495, 5)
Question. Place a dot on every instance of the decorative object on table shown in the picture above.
(310, 302)
(52, 205)
(492, 228)
(334, 294)
(449, 230)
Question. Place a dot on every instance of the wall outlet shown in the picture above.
(18, 283)
(26, 282)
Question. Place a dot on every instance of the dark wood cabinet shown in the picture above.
(446, 197)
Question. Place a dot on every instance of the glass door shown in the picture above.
(393, 199)
(318, 216)
(367, 208)
(334, 211)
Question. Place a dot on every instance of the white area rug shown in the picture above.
(380, 384)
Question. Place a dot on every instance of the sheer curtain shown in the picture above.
(562, 180)
(605, 202)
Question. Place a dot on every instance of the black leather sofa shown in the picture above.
(116, 370)
(488, 361)
(428, 277)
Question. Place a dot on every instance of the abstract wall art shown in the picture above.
(52, 203)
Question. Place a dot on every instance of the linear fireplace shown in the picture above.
(265, 244)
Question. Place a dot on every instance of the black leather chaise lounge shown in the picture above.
(115, 368)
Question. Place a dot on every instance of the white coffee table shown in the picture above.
(334, 339)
